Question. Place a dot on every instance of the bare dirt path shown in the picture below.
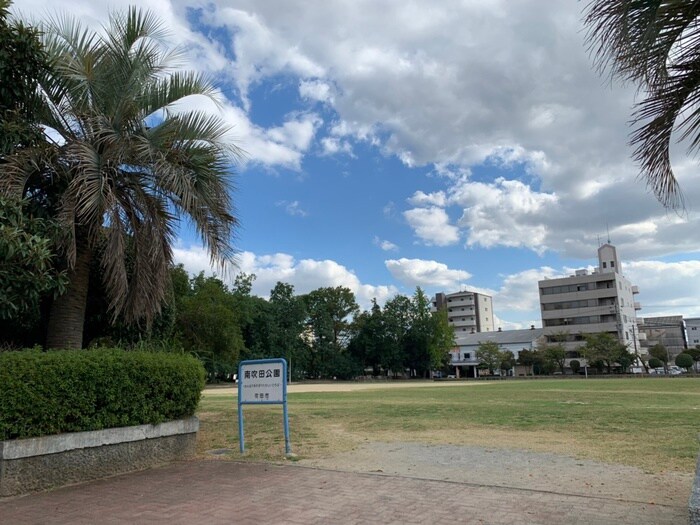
(513, 468)
(295, 388)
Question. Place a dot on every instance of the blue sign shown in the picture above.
(263, 382)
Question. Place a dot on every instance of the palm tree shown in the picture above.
(123, 166)
(654, 44)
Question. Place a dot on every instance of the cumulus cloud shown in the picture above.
(305, 274)
(385, 245)
(428, 274)
(432, 226)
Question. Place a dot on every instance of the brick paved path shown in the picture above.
(215, 491)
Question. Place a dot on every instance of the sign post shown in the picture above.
(263, 382)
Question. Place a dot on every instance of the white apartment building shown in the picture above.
(692, 330)
(591, 302)
(467, 312)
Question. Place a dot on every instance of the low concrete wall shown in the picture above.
(694, 503)
(29, 465)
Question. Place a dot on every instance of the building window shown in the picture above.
(467, 355)
(612, 264)
(605, 265)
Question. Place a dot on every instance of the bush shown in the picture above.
(73, 391)
(575, 366)
(655, 363)
(684, 360)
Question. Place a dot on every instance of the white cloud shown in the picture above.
(316, 90)
(419, 272)
(385, 245)
(420, 198)
(292, 208)
(305, 275)
(432, 226)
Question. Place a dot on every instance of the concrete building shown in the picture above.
(692, 330)
(590, 302)
(467, 312)
(463, 357)
(669, 331)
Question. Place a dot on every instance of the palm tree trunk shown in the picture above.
(67, 315)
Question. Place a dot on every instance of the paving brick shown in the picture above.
(217, 491)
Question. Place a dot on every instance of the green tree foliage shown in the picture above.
(286, 325)
(330, 312)
(660, 352)
(530, 358)
(22, 62)
(695, 354)
(110, 167)
(684, 360)
(604, 348)
(208, 325)
(507, 360)
(489, 355)
(27, 272)
(653, 44)
(555, 355)
(655, 363)
(575, 365)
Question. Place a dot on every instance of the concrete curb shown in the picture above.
(694, 503)
(29, 465)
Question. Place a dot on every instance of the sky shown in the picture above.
(449, 145)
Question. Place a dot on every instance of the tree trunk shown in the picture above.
(67, 315)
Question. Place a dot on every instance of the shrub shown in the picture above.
(73, 391)
(575, 366)
(684, 360)
(655, 363)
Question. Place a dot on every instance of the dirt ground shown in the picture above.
(293, 388)
(513, 468)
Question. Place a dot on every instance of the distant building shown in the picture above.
(589, 303)
(669, 331)
(467, 312)
(463, 357)
(692, 330)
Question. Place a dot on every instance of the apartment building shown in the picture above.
(467, 312)
(591, 302)
(669, 331)
(692, 330)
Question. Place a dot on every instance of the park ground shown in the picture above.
(635, 439)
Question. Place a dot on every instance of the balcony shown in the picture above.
(635, 289)
(637, 306)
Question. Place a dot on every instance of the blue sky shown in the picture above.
(447, 145)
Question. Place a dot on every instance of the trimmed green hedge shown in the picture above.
(73, 391)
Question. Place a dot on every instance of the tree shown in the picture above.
(287, 326)
(27, 272)
(605, 348)
(330, 312)
(575, 365)
(653, 44)
(529, 358)
(507, 360)
(660, 352)
(556, 355)
(208, 325)
(489, 355)
(684, 361)
(655, 363)
(22, 62)
(695, 354)
(128, 165)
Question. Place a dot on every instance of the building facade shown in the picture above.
(463, 356)
(692, 330)
(669, 331)
(589, 303)
(467, 312)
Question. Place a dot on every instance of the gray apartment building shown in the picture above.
(591, 302)
(692, 330)
(669, 331)
(467, 312)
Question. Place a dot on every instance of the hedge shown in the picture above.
(73, 391)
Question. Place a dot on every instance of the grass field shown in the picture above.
(648, 423)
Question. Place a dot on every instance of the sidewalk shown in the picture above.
(218, 491)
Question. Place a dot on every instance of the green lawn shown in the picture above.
(650, 423)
